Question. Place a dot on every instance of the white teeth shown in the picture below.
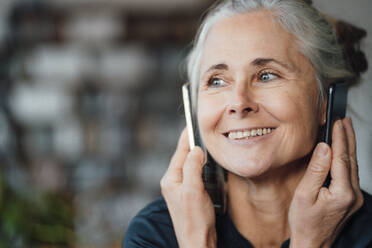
(249, 133)
(259, 132)
(239, 135)
(253, 132)
(232, 135)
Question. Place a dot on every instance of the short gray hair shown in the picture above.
(314, 35)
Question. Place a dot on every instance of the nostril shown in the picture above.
(242, 109)
(247, 109)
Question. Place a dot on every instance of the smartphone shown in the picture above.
(213, 174)
(336, 109)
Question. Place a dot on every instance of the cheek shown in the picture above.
(205, 114)
(296, 106)
(298, 116)
(209, 112)
(296, 111)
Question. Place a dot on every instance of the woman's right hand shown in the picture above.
(188, 202)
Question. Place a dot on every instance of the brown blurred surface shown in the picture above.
(91, 110)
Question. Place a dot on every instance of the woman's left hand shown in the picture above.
(317, 214)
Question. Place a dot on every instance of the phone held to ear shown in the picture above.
(336, 109)
(213, 177)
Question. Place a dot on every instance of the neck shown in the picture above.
(259, 206)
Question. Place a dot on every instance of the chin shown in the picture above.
(247, 168)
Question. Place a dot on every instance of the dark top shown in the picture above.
(152, 227)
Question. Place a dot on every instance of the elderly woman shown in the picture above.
(258, 72)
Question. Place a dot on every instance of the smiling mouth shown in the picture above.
(248, 133)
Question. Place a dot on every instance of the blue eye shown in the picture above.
(267, 76)
(216, 82)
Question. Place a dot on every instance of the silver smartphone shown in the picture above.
(213, 175)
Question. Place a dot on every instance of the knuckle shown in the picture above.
(347, 199)
(164, 184)
(318, 168)
(301, 196)
(350, 199)
(343, 158)
(353, 160)
(353, 155)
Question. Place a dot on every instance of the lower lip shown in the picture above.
(249, 141)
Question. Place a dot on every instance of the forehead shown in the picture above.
(241, 38)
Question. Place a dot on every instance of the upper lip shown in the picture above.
(246, 129)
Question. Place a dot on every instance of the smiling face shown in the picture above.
(257, 100)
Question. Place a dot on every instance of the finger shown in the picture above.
(340, 167)
(174, 171)
(193, 167)
(316, 172)
(353, 164)
(350, 135)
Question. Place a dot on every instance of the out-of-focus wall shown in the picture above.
(90, 112)
(358, 12)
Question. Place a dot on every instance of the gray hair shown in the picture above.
(315, 38)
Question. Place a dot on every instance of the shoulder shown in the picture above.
(358, 231)
(151, 227)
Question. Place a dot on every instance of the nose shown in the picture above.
(242, 105)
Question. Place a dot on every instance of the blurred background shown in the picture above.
(91, 110)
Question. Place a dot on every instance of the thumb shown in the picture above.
(193, 167)
(316, 172)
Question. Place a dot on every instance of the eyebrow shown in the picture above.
(221, 66)
(265, 61)
(256, 62)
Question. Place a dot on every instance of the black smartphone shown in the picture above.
(213, 175)
(336, 109)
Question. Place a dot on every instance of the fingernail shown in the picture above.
(339, 123)
(322, 149)
(349, 120)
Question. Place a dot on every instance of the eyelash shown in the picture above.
(257, 77)
(261, 73)
(211, 80)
